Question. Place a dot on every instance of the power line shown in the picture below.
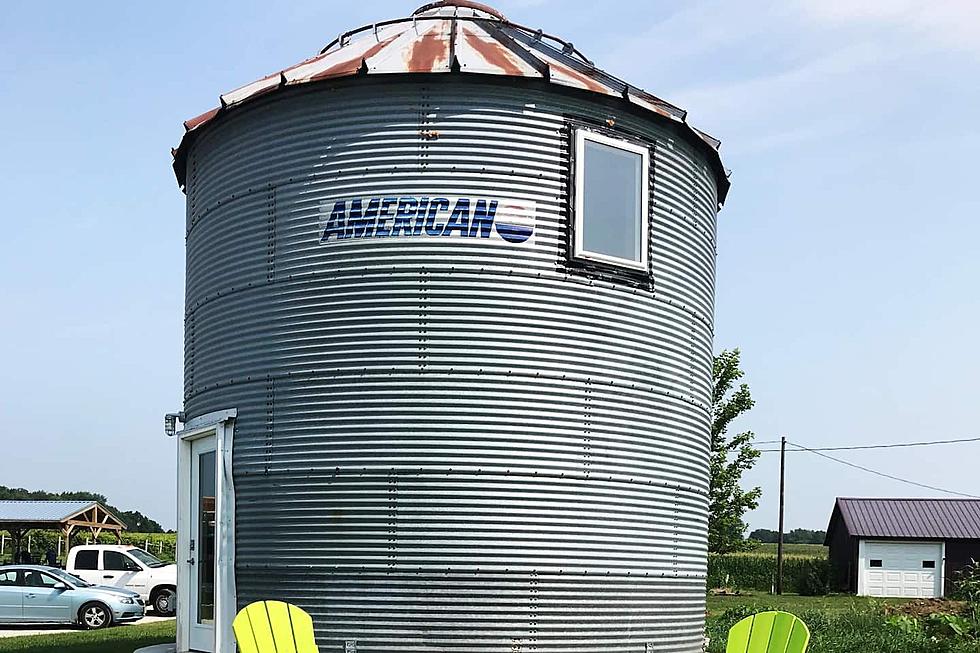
(892, 445)
(882, 474)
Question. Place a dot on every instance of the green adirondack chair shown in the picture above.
(274, 627)
(769, 632)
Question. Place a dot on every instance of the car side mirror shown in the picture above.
(62, 587)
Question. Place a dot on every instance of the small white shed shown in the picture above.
(901, 547)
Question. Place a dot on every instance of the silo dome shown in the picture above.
(457, 285)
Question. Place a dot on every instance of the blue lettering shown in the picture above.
(358, 225)
(459, 219)
(403, 216)
(431, 228)
(336, 222)
(409, 216)
(383, 217)
(483, 218)
(420, 217)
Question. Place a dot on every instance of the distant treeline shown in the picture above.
(135, 520)
(795, 536)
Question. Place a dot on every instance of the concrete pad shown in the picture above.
(159, 648)
(53, 629)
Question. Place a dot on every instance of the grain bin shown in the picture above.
(449, 319)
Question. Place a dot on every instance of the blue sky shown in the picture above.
(847, 264)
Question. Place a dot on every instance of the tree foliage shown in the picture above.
(731, 457)
(134, 520)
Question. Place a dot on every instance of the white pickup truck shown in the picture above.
(130, 567)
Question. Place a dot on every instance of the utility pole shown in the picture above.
(782, 502)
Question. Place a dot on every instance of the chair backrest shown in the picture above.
(769, 632)
(274, 627)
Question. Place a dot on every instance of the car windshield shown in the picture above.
(147, 559)
(65, 576)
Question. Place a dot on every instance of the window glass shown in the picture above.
(876, 563)
(87, 559)
(147, 559)
(37, 579)
(611, 200)
(115, 561)
(928, 564)
(69, 578)
(8, 578)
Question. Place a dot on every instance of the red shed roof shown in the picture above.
(933, 519)
(451, 36)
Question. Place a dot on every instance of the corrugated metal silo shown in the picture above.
(453, 433)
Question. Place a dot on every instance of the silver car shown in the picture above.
(33, 594)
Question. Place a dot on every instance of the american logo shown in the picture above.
(506, 220)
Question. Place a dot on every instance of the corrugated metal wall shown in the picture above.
(448, 443)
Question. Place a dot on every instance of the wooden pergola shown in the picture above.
(19, 517)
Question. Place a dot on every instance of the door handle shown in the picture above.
(108, 576)
(31, 596)
(190, 561)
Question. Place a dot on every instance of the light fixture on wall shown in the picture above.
(170, 423)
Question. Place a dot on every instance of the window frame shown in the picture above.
(581, 134)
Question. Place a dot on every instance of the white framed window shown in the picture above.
(611, 193)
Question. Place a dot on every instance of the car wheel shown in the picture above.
(165, 603)
(95, 616)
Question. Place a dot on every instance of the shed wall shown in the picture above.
(959, 554)
(444, 444)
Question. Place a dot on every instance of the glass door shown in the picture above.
(202, 543)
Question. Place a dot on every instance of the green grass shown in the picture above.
(830, 604)
(791, 550)
(838, 624)
(120, 639)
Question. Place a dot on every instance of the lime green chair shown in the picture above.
(769, 632)
(274, 627)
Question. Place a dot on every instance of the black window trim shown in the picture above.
(579, 131)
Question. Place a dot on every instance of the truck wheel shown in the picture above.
(94, 616)
(165, 603)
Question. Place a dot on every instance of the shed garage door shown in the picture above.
(910, 569)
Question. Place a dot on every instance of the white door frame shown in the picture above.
(220, 424)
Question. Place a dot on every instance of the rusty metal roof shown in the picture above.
(451, 36)
(934, 519)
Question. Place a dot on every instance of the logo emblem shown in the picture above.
(515, 222)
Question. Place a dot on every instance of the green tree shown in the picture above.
(730, 457)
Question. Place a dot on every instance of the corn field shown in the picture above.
(802, 574)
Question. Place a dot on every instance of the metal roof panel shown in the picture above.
(436, 38)
(911, 518)
(40, 511)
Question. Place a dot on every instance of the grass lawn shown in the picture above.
(831, 604)
(122, 639)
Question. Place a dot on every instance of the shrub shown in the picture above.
(812, 579)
